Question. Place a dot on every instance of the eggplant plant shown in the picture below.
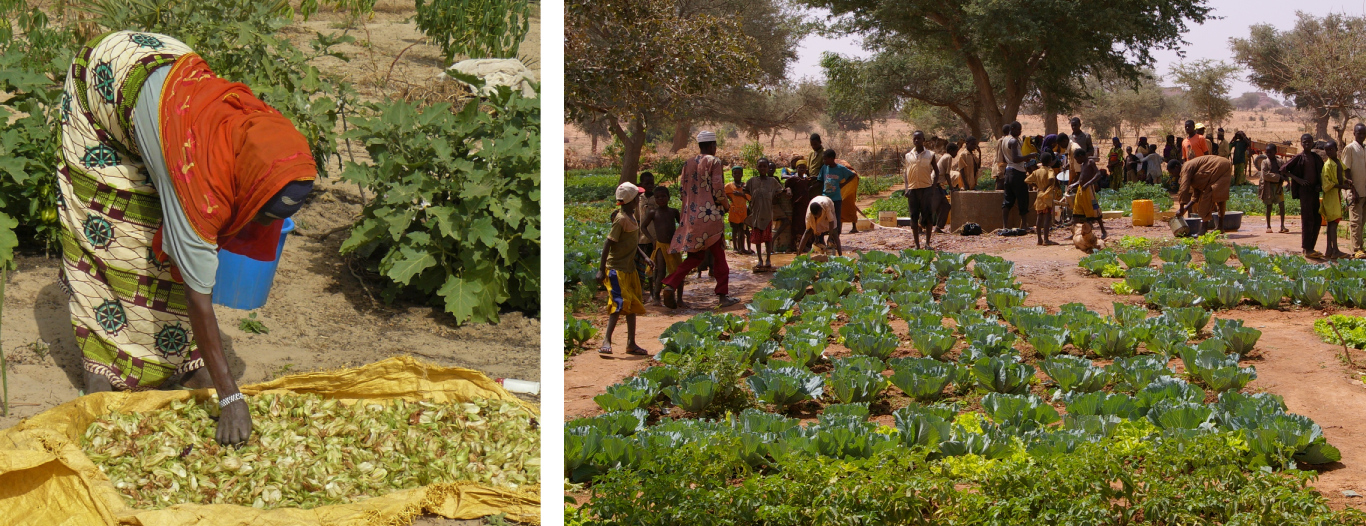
(923, 379)
(693, 394)
(1240, 339)
(1136, 259)
(1071, 373)
(933, 342)
(1133, 373)
(1003, 375)
(1020, 413)
(785, 386)
(852, 384)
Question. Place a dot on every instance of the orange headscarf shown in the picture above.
(227, 152)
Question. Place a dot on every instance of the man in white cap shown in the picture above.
(617, 270)
(701, 189)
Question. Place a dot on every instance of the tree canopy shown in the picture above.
(636, 64)
(1006, 51)
(1207, 84)
(1320, 63)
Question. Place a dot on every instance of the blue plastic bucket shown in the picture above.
(244, 283)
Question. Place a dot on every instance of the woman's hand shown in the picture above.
(234, 424)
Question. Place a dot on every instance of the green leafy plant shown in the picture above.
(1351, 328)
(1193, 319)
(1308, 291)
(1169, 298)
(577, 332)
(1136, 259)
(629, 395)
(876, 341)
(1049, 341)
(1175, 254)
(1002, 375)
(1134, 373)
(475, 28)
(693, 394)
(1267, 292)
(1348, 292)
(1216, 254)
(855, 385)
(1001, 299)
(933, 342)
(785, 386)
(456, 215)
(251, 325)
(1019, 412)
(1098, 262)
(923, 379)
(1240, 339)
(1071, 373)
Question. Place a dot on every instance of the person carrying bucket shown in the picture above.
(164, 164)
(1204, 186)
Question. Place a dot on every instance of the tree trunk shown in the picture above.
(682, 136)
(1321, 127)
(1050, 122)
(594, 149)
(631, 144)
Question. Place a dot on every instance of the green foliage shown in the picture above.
(475, 28)
(933, 342)
(252, 325)
(629, 395)
(1022, 412)
(1240, 339)
(1123, 199)
(1134, 373)
(1136, 258)
(1002, 375)
(576, 333)
(1098, 262)
(1175, 254)
(1266, 292)
(456, 215)
(785, 386)
(693, 394)
(1244, 199)
(850, 384)
(1352, 329)
(1308, 291)
(1071, 373)
(923, 379)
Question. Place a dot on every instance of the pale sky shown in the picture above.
(1206, 41)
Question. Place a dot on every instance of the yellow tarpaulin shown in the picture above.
(45, 478)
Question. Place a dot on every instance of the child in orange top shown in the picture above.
(739, 201)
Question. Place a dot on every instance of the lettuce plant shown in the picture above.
(1071, 373)
(1020, 413)
(1240, 339)
(693, 394)
(1308, 291)
(1136, 372)
(1003, 375)
(933, 342)
(1141, 279)
(852, 384)
(1175, 254)
(923, 379)
(785, 386)
(633, 393)
(1136, 259)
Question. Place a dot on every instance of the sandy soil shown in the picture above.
(1291, 360)
(320, 314)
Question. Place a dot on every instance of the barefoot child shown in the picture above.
(662, 222)
(763, 191)
(1086, 207)
(1048, 192)
(1331, 206)
(1271, 187)
(617, 270)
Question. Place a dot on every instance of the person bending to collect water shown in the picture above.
(921, 201)
(661, 222)
(1271, 187)
(1085, 206)
(1204, 187)
(617, 270)
(701, 232)
(821, 223)
(165, 163)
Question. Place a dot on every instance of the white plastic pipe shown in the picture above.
(520, 386)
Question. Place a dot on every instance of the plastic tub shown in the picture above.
(1143, 212)
(244, 283)
(1232, 221)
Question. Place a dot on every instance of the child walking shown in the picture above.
(662, 222)
(617, 270)
(1271, 187)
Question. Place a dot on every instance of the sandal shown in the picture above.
(1268, 230)
(1313, 254)
(1285, 230)
(637, 350)
(726, 301)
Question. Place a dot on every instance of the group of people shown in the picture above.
(1329, 180)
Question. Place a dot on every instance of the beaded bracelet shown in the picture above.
(230, 399)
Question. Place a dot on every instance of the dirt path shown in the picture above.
(1293, 362)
